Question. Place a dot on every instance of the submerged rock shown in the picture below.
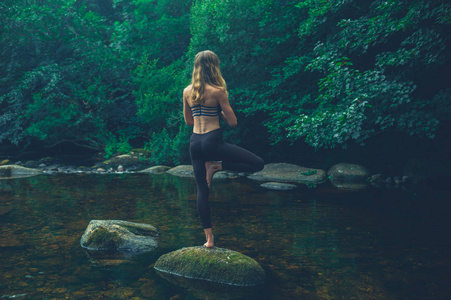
(119, 235)
(280, 186)
(218, 265)
(17, 171)
(348, 172)
(282, 172)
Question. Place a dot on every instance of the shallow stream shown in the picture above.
(313, 243)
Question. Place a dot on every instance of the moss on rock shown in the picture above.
(216, 264)
(348, 172)
(282, 172)
(119, 235)
(156, 170)
(102, 238)
(182, 171)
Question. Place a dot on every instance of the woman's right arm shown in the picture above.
(227, 113)
(187, 113)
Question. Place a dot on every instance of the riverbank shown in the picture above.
(279, 176)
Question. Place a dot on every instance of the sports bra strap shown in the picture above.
(208, 111)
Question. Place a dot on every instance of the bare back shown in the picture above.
(213, 97)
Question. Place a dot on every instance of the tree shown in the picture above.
(160, 77)
(65, 78)
(376, 60)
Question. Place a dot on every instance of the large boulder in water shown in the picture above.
(155, 170)
(218, 265)
(348, 176)
(119, 235)
(348, 172)
(18, 171)
(182, 171)
(282, 172)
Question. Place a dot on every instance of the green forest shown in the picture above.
(303, 76)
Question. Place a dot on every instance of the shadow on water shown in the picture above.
(313, 243)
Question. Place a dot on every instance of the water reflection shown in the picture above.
(318, 243)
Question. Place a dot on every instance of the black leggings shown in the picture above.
(211, 147)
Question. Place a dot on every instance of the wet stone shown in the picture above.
(182, 170)
(278, 186)
(17, 171)
(348, 172)
(215, 264)
(220, 175)
(156, 170)
(118, 235)
(289, 173)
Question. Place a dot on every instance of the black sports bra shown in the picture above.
(208, 111)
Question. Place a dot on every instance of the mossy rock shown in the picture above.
(156, 170)
(218, 265)
(117, 235)
(182, 170)
(103, 238)
(282, 172)
(345, 172)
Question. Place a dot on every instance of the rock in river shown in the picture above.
(182, 170)
(348, 172)
(279, 186)
(282, 172)
(348, 176)
(212, 264)
(17, 171)
(120, 236)
(155, 170)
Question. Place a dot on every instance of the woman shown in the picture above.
(204, 101)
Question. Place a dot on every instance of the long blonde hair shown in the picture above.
(206, 70)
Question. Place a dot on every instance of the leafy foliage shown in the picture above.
(369, 65)
(103, 74)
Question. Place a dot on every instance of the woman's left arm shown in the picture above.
(187, 113)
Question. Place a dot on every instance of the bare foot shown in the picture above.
(212, 167)
(210, 238)
(211, 243)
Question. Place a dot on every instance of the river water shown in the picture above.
(313, 243)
